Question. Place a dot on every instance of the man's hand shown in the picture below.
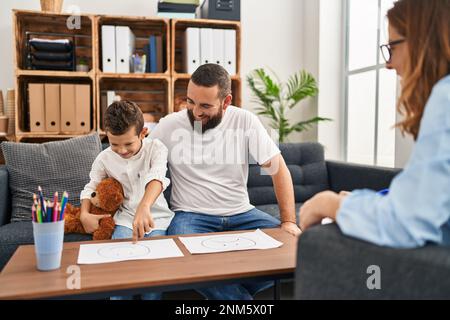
(322, 205)
(291, 227)
(90, 221)
(143, 222)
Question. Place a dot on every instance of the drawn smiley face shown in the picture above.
(228, 243)
(125, 251)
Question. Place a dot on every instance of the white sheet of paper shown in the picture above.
(124, 251)
(230, 242)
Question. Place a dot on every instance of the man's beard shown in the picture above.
(212, 122)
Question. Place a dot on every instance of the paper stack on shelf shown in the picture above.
(51, 54)
(177, 10)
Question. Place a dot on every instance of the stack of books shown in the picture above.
(177, 9)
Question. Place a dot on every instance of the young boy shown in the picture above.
(140, 165)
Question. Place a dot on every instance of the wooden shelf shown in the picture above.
(178, 29)
(102, 75)
(62, 74)
(46, 136)
(154, 92)
(153, 95)
(142, 28)
(50, 25)
(187, 76)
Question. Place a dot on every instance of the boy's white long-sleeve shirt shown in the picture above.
(150, 163)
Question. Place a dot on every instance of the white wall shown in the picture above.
(323, 57)
(273, 39)
(331, 68)
(272, 36)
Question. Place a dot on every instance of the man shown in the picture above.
(209, 147)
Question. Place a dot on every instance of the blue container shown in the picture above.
(48, 244)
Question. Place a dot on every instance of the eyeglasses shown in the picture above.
(386, 49)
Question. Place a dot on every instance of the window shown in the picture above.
(370, 89)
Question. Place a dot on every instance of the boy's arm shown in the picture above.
(143, 220)
(158, 164)
(155, 183)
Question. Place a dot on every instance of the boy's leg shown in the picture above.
(153, 295)
(254, 219)
(121, 232)
(188, 223)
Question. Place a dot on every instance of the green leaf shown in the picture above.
(308, 124)
(300, 86)
(275, 98)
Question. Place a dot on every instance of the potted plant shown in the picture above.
(82, 65)
(276, 99)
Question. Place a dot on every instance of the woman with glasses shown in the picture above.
(416, 209)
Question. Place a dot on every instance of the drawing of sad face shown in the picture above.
(124, 252)
(228, 243)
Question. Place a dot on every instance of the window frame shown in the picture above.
(348, 73)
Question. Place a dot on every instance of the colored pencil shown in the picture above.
(55, 203)
(49, 211)
(64, 199)
(33, 213)
(56, 212)
(39, 214)
(41, 197)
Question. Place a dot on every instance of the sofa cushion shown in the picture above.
(55, 166)
(308, 169)
(331, 265)
(274, 210)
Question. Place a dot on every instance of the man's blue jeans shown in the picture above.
(190, 222)
(121, 232)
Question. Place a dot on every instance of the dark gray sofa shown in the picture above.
(310, 173)
(333, 266)
(305, 161)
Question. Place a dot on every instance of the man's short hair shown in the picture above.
(120, 116)
(210, 75)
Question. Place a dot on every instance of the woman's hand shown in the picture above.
(322, 205)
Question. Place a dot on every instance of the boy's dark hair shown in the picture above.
(120, 116)
(210, 75)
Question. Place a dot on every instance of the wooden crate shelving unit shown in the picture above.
(142, 28)
(151, 91)
(180, 79)
(158, 93)
(33, 24)
(153, 95)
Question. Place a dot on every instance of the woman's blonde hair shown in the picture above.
(426, 27)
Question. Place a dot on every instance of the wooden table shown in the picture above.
(21, 280)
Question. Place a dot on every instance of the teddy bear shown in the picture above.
(106, 199)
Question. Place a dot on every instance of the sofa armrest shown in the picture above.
(333, 266)
(349, 176)
(5, 197)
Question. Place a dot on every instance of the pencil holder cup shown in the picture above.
(48, 244)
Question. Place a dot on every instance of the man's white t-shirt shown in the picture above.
(209, 171)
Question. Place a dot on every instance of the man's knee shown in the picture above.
(179, 225)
